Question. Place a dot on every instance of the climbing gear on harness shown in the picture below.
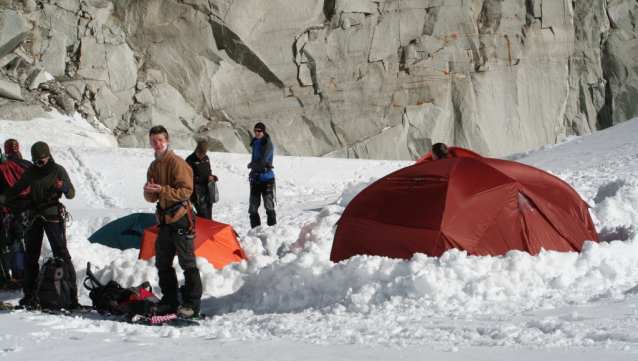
(172, 209)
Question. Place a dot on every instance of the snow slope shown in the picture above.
(291, 302)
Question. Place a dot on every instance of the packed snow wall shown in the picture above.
(380, 79)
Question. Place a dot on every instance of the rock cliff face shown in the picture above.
(379, 79)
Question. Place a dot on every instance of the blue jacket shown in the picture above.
(261, 162)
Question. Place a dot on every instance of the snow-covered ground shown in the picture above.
(290, 302)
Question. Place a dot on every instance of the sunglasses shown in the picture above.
(40, 161)
(258, 131)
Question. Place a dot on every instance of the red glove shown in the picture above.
(58, 184)
(215, 178)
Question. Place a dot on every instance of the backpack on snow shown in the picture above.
(53, 287)
(113, 299)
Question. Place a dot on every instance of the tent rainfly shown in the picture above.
(217, 242)
(480, 205)
(124, 233)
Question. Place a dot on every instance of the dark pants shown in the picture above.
(205, 211)
(4, 263)
(266, 191)
(171, 241)
(13, 231)
(56, 233)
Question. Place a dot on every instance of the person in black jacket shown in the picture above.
(14, 213)
(202, 175)
(439, 151)
(47, 182)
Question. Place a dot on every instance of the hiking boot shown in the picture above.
(74, 304)
(29, 302)
(14, 284)
(162, 309)
(272, 218)
(255, 221)
(188, 310)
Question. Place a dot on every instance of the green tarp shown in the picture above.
(125, 232)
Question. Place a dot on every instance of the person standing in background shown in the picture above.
(261, 176)
(202, 175)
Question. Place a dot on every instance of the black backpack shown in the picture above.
(53, 287)
(113, 299)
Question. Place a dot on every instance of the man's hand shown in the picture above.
(212, 178)
(248, 166)
(151, 187)
(59, 186)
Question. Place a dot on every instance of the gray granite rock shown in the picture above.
(37, 77)
(21, 111)
(13, 29)
(10, 90)
(144, 97)
(348, 78)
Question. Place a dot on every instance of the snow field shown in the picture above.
(290, 290)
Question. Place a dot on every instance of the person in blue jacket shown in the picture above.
(262, 178)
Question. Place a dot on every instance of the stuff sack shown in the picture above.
(213, 191)
(53, 287)
(112, 298)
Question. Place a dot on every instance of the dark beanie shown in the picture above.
(40, 150)
(260, 126)
(202, 147)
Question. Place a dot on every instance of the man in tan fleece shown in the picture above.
(169, 182)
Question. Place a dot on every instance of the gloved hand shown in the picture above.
(215, 178)
(61, 186)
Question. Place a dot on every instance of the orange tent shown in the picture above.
(217, 242)
(481, 205)
(452, 152)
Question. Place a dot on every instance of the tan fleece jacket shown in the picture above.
(176, 178)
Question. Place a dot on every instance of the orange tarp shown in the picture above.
(217, 242)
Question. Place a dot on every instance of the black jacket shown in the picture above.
(42, 192)
(201, 168)
(19, 203)
(201, 172)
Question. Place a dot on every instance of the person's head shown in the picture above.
(259, 130)
(40, 153)
(11, 146)
(439, 151)
(202, 148)
(158, 136)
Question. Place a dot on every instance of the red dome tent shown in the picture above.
(481, 205)
(217, 242)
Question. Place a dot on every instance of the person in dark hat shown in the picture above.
(47, 182)
(439, 151)
(202, 175)
(15, 213)
(261, 176)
